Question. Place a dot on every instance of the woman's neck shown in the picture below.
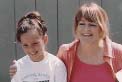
(90, 48)
(91, 53)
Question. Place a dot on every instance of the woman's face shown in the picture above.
(88, 32)
(33, 44)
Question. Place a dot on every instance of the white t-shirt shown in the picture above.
(50, 69)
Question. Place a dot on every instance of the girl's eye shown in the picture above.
(25, 45)
(36, 43)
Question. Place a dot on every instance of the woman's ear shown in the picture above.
(75, 32)
(45, 38)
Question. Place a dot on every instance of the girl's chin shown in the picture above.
(36, 58)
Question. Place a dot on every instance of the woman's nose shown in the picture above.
(86, 27)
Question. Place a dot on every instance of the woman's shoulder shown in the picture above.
(117, 51)
(68, 46)
(66, 50)
(117, 46)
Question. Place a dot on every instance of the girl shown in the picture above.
(38, 65)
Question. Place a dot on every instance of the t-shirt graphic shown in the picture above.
(36, 77)
(37, 81)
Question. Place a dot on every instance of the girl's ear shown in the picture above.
(45, 38)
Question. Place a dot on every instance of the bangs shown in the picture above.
(88, 13)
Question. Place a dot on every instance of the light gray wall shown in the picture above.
(21, 8)
(114, 10)
(7, 48)
(48, 10)
(66, 12)
(59, 15)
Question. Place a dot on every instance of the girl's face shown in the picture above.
(88, 32)
(33, 44)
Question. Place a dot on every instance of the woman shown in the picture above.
(38, 65)
(92, 56)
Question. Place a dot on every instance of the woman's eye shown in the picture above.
(92, 25)
(87, 24)
(82, 24)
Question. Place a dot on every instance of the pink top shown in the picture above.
(112, 55)
(91, 73)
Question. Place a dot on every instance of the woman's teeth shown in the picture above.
(87, 35)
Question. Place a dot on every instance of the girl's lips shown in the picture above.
(34, 53)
